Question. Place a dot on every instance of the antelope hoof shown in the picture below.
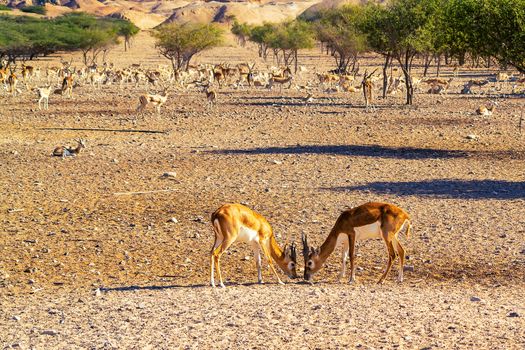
(281, 282)
(260, 282)
(222, 285)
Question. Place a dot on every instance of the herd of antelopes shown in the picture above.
(236, 222)
(64, 78)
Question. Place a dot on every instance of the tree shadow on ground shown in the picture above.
(444, 188)
(353, 150)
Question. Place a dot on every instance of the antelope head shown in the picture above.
(81, 143)
(312, 261)
(290, 261)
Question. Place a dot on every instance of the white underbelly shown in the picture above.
(362, 233)
(372, 230)
(247, 235)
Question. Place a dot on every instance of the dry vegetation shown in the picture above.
(67, 228)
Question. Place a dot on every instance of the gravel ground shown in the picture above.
(67, 229)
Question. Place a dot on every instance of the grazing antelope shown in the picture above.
(3, 77)
(486, 111)
(236, 222)
(370, 220)
(64, 151)
(156, 100)
(368, 88)
(43, 95)
(67, 86)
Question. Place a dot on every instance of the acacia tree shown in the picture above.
(402, 24)
(180, 42)
(241, 32)
(338, 30)
(490, 28)
(290, 37)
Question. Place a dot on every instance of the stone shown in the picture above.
(169, 175)
(49, 332)
(471, 137)
(513, 314)
(474, 299)
(173, 220)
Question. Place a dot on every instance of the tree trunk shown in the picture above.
(296, 64)
(388, 59)
(438, 65)
(405, 63)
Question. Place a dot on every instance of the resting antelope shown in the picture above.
(43, 95)
(236, 222)
(64, 151)
(370, 220)
(486, 111)
(438, 85)
(156, 100)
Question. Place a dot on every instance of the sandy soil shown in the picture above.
(66, 231)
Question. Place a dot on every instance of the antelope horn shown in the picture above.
(305, 245)
(293, 252)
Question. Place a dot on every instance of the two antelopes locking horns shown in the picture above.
(236, 222)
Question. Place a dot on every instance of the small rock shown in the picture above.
(16, 318)
(174, 220)
(169, 175)
(115, 160)
(49, 332)
(98, 292)
(196, 235)
(475, 299)
(141, 306)
(471, 137)
(278, 162)
(513, 314)
(246, 258)
(317, 307)
(409, 268)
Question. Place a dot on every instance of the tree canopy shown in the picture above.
(180, 42)
(24, 37)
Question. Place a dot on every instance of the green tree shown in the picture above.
(241, 32)
(338, 30)
(180, 42)
(402, 26)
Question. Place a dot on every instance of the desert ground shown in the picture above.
(85, 264)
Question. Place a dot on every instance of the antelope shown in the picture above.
(281, 81)
(467, 87)
(156, 100)
(438, 85)
(368, 87)
(12, 81)
(486, 111)
(64, 151)
(236, 222)
(43, 94)
(67, 86)
(3, 76)
(211, 95)
(27, 73)
(370, 220)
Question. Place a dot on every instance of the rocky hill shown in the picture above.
(150, 13)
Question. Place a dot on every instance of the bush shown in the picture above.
(4, 8)
(41, 10)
